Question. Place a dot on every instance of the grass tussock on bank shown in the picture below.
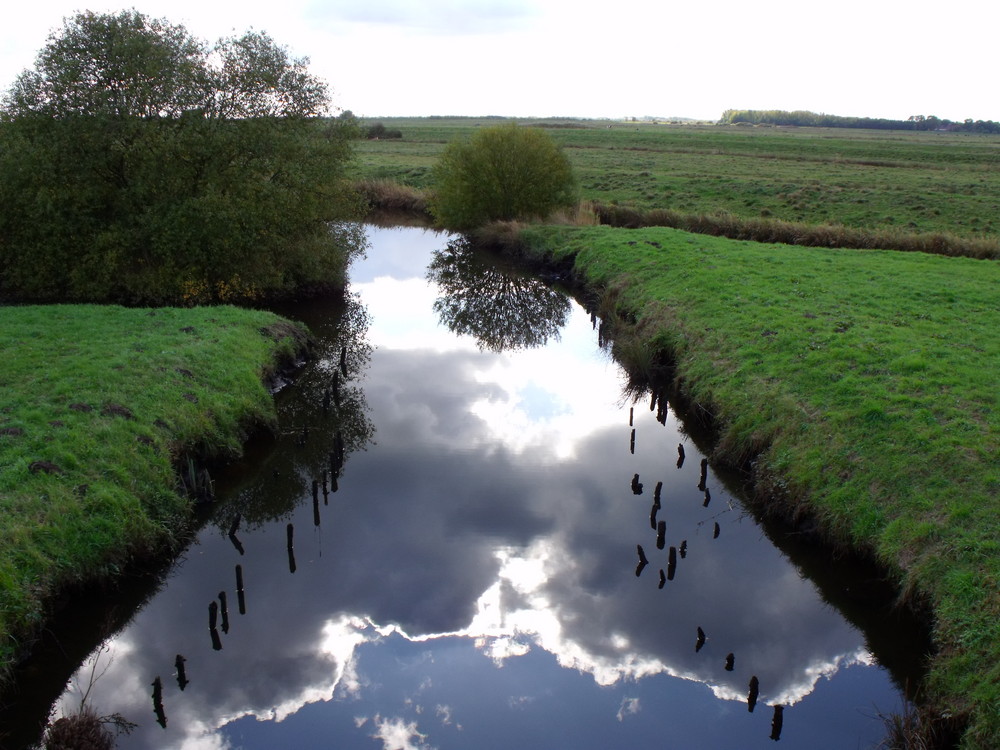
(393, 197)
(863, 384)
(795, 233)
(101, 404)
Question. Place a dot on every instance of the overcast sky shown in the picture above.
(627, 58)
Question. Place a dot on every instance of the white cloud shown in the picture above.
(399, 734)
(629, 707)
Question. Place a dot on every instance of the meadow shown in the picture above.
(881, 181)
(105, 409)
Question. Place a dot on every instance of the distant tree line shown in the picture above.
(804, 118)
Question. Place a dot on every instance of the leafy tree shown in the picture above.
(503, 172)
(139, 165)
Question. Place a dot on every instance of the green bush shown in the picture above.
(379, 132)
(503, 172)
(139, 166)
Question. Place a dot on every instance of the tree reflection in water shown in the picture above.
(325, 415)
(503, 309)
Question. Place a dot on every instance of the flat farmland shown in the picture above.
(916, 182)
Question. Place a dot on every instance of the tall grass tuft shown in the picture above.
(723, 224)
(392, 197)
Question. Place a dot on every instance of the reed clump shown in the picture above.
(393, 197)
(724, 224)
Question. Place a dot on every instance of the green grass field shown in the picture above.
(907, 181)
(100, 405)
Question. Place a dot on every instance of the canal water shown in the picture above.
(442, 550)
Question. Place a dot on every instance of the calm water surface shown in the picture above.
(470, 575)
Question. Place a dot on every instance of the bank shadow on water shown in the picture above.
(387, 516)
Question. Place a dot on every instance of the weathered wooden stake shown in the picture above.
(240, 596)
(161, 717)
(754, 692)
(777, 721)
(182, 680)
(224, 611)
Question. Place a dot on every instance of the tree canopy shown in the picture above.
(503, 172)
(140, 165)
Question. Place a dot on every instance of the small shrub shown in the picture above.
(379, 132)
(503, 173)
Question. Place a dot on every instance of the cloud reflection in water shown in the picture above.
(479, 558)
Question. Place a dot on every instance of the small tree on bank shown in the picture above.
(503, 172)
(138, 165)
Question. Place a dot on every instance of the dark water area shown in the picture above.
(441, 549)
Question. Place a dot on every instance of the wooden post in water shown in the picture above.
(777, 721)
(643, 562)
(161, 717)
(290, 534)
(704, 474)
(754, 692)
(680, 455)
(224, 611)
(182, 680)
(240, 597)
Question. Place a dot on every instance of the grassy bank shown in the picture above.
(101, 406)
(865, 385)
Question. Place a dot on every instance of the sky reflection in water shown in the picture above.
(472, 582)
